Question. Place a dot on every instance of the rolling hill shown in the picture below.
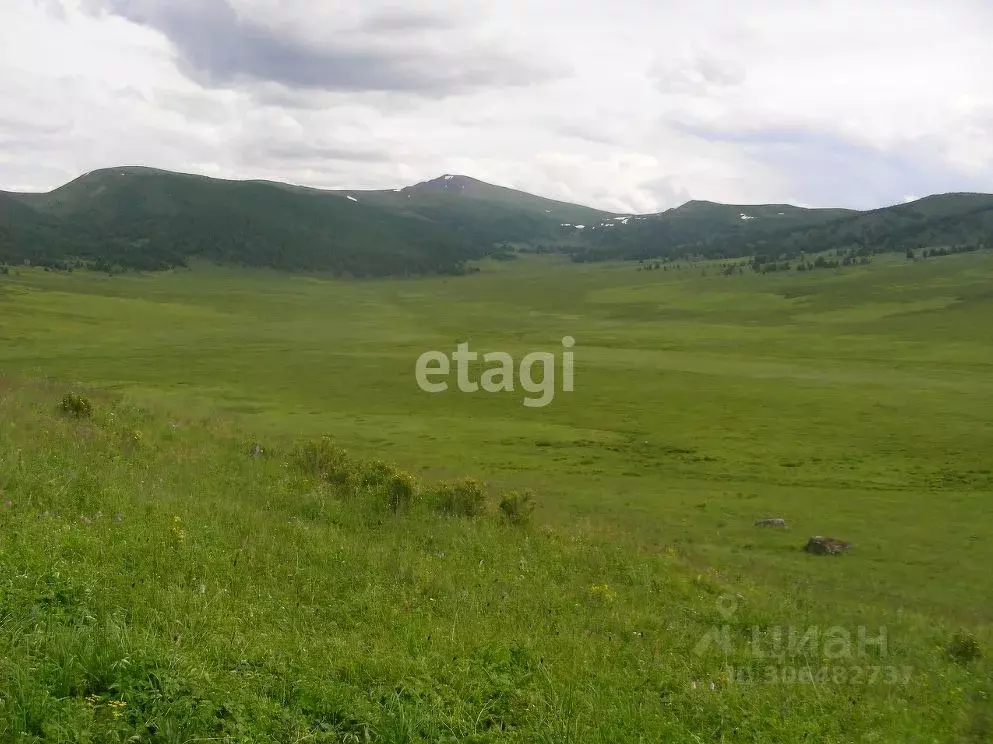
(27, 233)
(783, 231)
(480, 212)
(142, 218)
(150, 219)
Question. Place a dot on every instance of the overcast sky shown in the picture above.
(628, 105)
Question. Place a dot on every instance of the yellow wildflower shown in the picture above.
(177, 531)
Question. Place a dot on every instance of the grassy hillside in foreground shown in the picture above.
(158, 584)
(853, 402)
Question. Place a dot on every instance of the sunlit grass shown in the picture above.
(158, 581)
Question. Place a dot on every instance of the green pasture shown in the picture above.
(855, 403)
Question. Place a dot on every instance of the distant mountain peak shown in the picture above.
(449, 181)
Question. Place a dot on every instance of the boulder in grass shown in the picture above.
(772, 523)
(827, 546)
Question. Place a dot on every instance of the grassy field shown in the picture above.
(852, 403)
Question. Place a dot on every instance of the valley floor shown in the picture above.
(248, 599)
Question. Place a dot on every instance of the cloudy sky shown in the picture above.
(629, 105)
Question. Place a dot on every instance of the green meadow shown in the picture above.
(255, 599)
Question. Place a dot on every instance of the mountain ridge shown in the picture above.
(148, 218)
(29, 196)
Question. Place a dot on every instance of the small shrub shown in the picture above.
(517, 507)
(401, 490)
(463, 498)
(76, 405)
(376, 473)
(324, 459)
(964, 648)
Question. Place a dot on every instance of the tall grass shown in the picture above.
(169, 587)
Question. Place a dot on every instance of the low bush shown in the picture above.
(323, 459)
(376, 473)
(517, 506)
(964, 648)
(465, 497)
(401, 490)
(76, 405)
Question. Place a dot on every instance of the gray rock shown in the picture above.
(776, 522)
(827, 546)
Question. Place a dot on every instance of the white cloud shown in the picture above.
(634, 105)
